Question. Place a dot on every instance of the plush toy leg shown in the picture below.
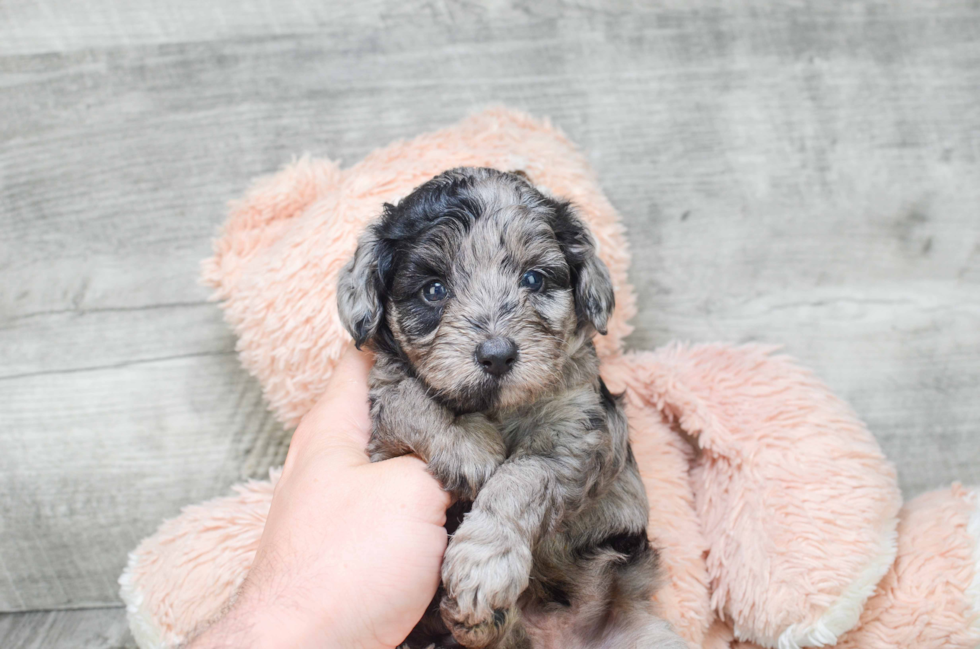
(930, 598)
(185, 575)
(796, 501)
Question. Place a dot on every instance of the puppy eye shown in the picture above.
(532, 280)
(435, 291)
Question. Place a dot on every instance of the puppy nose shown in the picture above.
(496, 355)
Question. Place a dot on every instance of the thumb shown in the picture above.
(341, 419)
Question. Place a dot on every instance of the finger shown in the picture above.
(342, 415)
(349, 378)
(416, 483)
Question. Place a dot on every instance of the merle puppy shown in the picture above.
(481, 296)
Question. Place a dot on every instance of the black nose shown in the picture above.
(496, 355)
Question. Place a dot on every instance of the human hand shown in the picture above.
(351, 551)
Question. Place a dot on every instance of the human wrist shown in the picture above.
(265, 626)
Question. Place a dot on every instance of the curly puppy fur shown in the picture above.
(481, 296)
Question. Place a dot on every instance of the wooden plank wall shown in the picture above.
(805, 174)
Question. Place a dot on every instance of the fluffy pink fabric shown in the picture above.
(929, 599)
(186, 573)
(665, 458)
(795, 500)
(772, 504)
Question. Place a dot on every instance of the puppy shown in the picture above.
(480, 296)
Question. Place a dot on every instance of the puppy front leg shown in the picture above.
(488, 562)
(462, 452)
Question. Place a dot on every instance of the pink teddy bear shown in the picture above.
(778, 518)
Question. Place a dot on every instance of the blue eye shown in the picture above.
(434, 291)
(533, 281)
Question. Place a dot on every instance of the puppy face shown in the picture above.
(481, 283)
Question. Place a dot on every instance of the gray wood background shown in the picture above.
(804, 173)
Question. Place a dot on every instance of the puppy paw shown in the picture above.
(484, 572)
(476, 631)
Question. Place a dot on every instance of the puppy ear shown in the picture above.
(594, 298)
(521, 174)
(358, 299)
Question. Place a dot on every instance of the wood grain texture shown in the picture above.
(806, 174)
(99, 628)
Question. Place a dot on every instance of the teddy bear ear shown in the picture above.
(258, 221)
